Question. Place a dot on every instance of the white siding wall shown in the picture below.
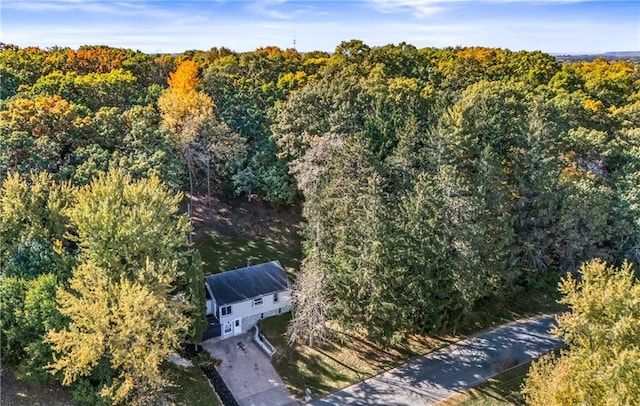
(212, 306)
(250, 314)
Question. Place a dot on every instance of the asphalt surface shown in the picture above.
(438, 375)
(248, 372)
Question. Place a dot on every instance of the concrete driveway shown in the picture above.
(248, 372)
(438, 375)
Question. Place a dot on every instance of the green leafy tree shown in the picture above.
(12, 292)
(39, 316)
(32, 224)
(246, 91)
(325, 109)
(94, 90)
(483, 137)
(34, 257)
(436, 251)
(20, 66)
(609, 82)
(29, 312)
(39, 134)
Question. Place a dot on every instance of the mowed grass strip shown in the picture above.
(502, 389)
(190, 387)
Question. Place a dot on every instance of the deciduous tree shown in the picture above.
(129, 302)
(602, 331)
(132, 322)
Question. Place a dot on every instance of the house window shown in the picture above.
(227, 327)
(257, 302)
(275, 297)
(225, 310)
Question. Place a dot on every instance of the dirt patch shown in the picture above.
(20, 393)
(255, 218)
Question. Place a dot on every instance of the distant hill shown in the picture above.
(613, 56)
(625, 54)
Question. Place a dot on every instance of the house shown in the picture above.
(237, 300)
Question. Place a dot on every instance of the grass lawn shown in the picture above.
(226, 251)
(345, 359)
(503, 389)
(15, 392)
(191, 387)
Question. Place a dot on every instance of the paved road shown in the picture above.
(438, 375)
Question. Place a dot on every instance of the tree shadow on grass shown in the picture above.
(313, 371)
(221, 252)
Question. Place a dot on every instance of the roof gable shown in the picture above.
(246, 283)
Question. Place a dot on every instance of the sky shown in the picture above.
(554, 26)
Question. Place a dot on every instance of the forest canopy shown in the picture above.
(432, 181)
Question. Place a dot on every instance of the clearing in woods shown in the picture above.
(229, 235)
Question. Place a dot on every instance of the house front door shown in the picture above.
(237, 327)
(228, 328)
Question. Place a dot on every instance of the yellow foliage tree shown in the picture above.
(184, 109)
(185, 78)
(31, 208)
(602, 363)
(188, 113)
(120, 300)
(118, 223)
(125, 321)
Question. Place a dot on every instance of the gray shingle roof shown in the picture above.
(246, 283)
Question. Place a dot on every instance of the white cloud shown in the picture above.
(268, 8)
(283, 9)
(64, 5)
(419, 8)
(119, 8)
(423, 8)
